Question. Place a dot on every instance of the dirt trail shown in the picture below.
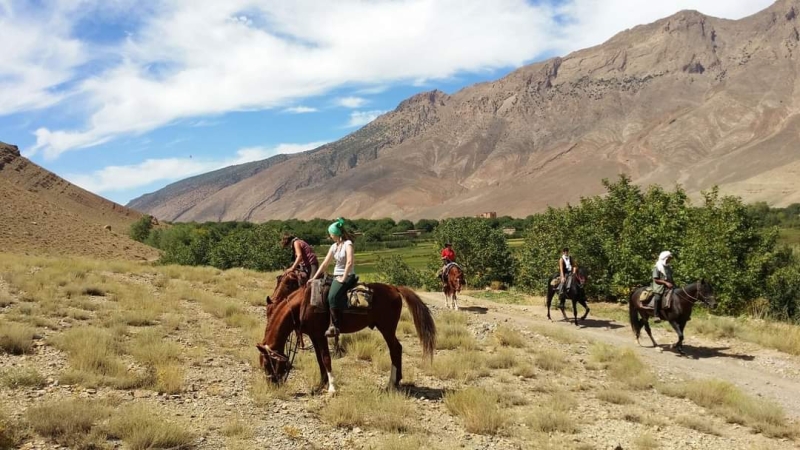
(758, 371)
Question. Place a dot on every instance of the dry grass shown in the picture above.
(623, 366)
(11, 432)
(237, 428)
(451, 336)
(502, 359)
(524, 370)
(366, 345)
(727, 401)
(478, 408)
(462, 365)
(5, 300)
(509, 337)
(400, 442)
(779, 336)
(16, 339)
(94, 358)
(555, 416)
(69, 422)
(557, 333)
(703, 425)
(389, 411)
(615, 396)
(17, 377)
(138, 427)
(263, 392)
(551, 361)
(645, 441)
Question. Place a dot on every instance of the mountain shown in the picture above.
(44, 214)
(689, 99)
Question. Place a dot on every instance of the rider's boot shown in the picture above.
(336, 320)
(657, 308)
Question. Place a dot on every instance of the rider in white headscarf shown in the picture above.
(662, 280)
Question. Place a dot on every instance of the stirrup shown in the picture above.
(332, 332)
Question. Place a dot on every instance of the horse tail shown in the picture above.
(633, 312)
(423, 320)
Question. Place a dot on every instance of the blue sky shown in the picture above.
(123, 97)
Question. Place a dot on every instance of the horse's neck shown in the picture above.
(280, 327)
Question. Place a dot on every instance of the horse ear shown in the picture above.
(262, 349)
(269, 300)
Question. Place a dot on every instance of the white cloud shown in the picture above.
(351, 102)
(359, 118)
(300, 110)
(192, 58)
(121, 178)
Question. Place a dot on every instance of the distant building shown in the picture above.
(487, 215)
(509, 230)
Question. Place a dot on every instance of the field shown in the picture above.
(102, 355)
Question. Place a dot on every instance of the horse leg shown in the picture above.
(575, 311)
(646, 323)
(678, 345)
(323, 373)
(455, 301)
(583, 303)
(562, 300)
(326, 361)
(549, 301)
(396, 355)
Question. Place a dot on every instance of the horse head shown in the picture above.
(705, 293)
(286, 283)
(581, 275)
(274, 364)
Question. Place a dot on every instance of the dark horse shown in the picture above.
(453, 280)
(574, 293)
(294, 314)
(679, 312)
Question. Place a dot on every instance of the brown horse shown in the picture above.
(679, 312)
(453, 280)
(296, 315)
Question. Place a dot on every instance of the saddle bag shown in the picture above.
(360, 297)
(319, 292)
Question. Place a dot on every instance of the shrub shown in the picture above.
(480, 249)
(394, 270)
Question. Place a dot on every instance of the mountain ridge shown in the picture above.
(689, 99)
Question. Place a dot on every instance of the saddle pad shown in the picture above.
(317, 294)
(645, 295)
(555, 282)
(666, 300)
(360, 297)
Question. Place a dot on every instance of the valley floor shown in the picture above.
(128, 355)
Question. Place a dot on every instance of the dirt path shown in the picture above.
(758, 371)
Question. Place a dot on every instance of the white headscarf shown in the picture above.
(662, 261)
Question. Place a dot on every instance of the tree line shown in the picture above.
(616, 237)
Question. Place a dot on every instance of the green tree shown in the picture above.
(480, 249)
(393, 270)
(140, 230)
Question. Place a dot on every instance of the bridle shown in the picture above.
(274, 358)
(700, 297)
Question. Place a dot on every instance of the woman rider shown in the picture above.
(344, 273)
(304, 256)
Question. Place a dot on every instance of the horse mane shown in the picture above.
(280, 325)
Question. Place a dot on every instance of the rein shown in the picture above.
(275, 357)
(694, 300)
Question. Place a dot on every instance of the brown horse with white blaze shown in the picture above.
(453, 281)
(295, 314)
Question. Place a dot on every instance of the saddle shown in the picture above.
(359, 298)
(646, 297)
(446, 271)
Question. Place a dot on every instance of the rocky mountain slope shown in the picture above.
(42, 213)
(689, 99)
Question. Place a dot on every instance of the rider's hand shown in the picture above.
(562, 279)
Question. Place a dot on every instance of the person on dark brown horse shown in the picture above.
(448, 257)
(566, 270)
(662, 281)
(304, 257)
(344, 273)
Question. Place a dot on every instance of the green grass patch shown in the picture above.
(478, 408)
